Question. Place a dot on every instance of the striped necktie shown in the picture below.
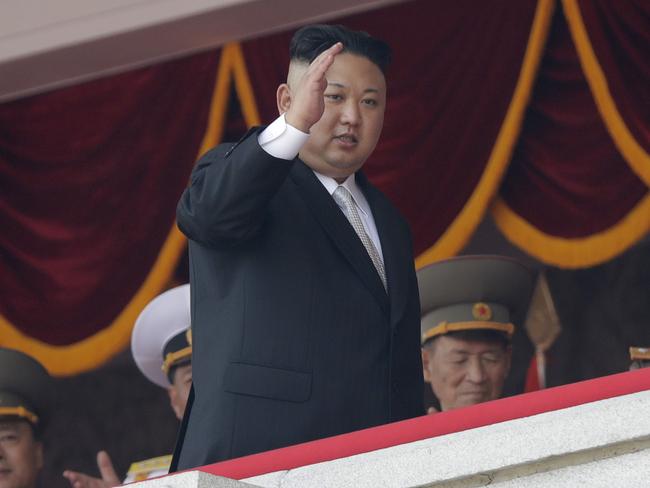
(344, 199)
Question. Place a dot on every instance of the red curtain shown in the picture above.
(90, 175)
(619, 33)
(90, 179)
(566, 163)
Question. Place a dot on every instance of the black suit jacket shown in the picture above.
(294, 336)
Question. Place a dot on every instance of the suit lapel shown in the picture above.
(337, 227)
(394, 250)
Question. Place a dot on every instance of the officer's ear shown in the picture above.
(176, 402)
(426, 359)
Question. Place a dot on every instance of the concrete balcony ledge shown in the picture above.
(594, 433)
(561, 448)
(191, 479)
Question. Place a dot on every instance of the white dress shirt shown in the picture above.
(284, 141)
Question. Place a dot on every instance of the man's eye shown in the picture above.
(8, 438)
(371, 102)
(334, 97)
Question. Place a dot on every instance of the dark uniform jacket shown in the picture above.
(294, 336)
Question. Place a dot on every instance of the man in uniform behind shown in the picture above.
(26, 394)
(468, 304)
(161, 344)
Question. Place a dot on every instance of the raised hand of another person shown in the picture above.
(108, 479)
(307, 104)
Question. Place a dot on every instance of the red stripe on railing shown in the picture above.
(433, 425)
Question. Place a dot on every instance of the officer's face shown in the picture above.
(21, 456)
(180, 389)
(347, 133)
(463, 373)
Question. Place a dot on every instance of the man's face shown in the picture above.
(21, 456)
(464, 373)
(347, 133)
(179, 391)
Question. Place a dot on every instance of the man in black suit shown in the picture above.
(305, 308)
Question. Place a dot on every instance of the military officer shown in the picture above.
(467, 309)
(26, 396)
(161, 344)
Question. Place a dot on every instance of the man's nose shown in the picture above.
(476, 371)
(350, 113)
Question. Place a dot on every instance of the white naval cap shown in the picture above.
(161, 335)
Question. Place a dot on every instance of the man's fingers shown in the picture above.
(323, 61)
(106, 468)
(307, 103)
(76, 479)
(331, 51)
(70, 476)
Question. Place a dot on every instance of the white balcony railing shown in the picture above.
(593, 433)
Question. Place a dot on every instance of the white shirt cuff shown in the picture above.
(281, 140)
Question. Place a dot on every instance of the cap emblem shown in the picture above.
(481, 311)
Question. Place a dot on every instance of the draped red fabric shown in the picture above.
(455, 67)
(620, 35)
(90, 179)
(90, 175)
(565, 163)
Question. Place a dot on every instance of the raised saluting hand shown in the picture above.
(307, 104)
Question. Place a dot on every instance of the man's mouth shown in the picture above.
(474, 393)
(347, 139)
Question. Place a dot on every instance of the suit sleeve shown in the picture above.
(229, 192)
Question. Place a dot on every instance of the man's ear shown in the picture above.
(425, 364)
(283, 98)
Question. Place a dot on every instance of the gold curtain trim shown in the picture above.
(635, 156)
(578, 252)
(460, 230)
(95, 350)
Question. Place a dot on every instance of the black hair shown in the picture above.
(309, 41)
(476, 335)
